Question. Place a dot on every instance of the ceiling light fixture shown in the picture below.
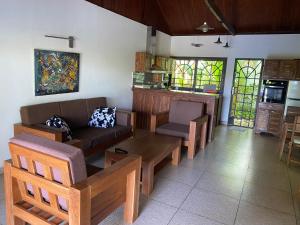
(227, 44)
(204, 27)
(218, 41)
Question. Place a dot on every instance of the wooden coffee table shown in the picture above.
(153, 148)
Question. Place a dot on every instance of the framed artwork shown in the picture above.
(56, 72)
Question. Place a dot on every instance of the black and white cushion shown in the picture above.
(103, 117)
(56, 121)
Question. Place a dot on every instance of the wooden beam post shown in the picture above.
(220, 17)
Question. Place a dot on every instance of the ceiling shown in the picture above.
(181, 17)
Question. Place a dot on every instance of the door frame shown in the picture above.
(259, 88)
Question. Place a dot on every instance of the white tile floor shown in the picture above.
(238, 180)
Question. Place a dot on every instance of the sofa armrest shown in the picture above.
(39, 130)
(128, 170)
(126, 118)
(158, 119)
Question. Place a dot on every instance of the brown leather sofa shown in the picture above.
(76, 113)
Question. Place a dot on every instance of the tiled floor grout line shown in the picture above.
(292, 194)
(237, 210)
(185, 198)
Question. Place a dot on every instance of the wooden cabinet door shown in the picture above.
(297, 73)
(287, 69)
(262, 120)
(275, 122)
(271, 69)
(143, 61)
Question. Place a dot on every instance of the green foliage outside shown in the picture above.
(246, 88)
(208, 72)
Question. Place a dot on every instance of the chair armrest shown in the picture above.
(126, 118)
(39, 130)
(158, 119)
(83, 193)
(103, 180)
(195, 125)
(201, 119)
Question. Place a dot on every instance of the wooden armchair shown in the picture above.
(185, 119)
(46, 183)
(295, 141)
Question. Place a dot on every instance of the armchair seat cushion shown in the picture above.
(174, 129)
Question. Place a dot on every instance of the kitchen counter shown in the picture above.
(149, 101)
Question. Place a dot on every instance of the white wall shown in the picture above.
(242, 46)
(163, 44)
(106, 42)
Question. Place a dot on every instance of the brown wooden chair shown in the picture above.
(46, 183)
(285, 138)
(286, 134)
(295, 141)
(185, 119)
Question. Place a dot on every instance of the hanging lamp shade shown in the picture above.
(226, 45)
(218, 41)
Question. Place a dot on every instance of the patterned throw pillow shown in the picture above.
(103, 117)
(56, 121)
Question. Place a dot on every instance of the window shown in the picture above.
(195, 73)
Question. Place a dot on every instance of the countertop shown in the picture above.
(179, 91)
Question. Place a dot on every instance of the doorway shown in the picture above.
(245, 90)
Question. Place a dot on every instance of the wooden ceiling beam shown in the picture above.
(220, 17)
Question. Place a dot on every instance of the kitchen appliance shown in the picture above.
(293, 95)
(274, 91)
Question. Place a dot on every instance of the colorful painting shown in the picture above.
(56, 72)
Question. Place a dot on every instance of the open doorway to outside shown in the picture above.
(245, 90)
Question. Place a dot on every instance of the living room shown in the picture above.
(235, 175)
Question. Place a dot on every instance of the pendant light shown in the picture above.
(226, 45)
(218, 41)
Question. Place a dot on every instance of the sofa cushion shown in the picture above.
(35, 114)
(122, 130)
(90, 137)
(75, 113)
(57, 122)
(93, 103)
(183, 112)
(174, 129)
(103, 117)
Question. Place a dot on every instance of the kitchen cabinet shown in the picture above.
(271, 69)
(161, 62)
(269, 118)
(287, 69)
(143, 61)
(279, 69)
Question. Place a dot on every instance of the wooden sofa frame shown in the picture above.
(57, 135)
(89, 201)
(196, 124)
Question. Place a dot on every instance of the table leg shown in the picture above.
(176, 155)
(147, 179)
(107, 160)
(203, 136)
